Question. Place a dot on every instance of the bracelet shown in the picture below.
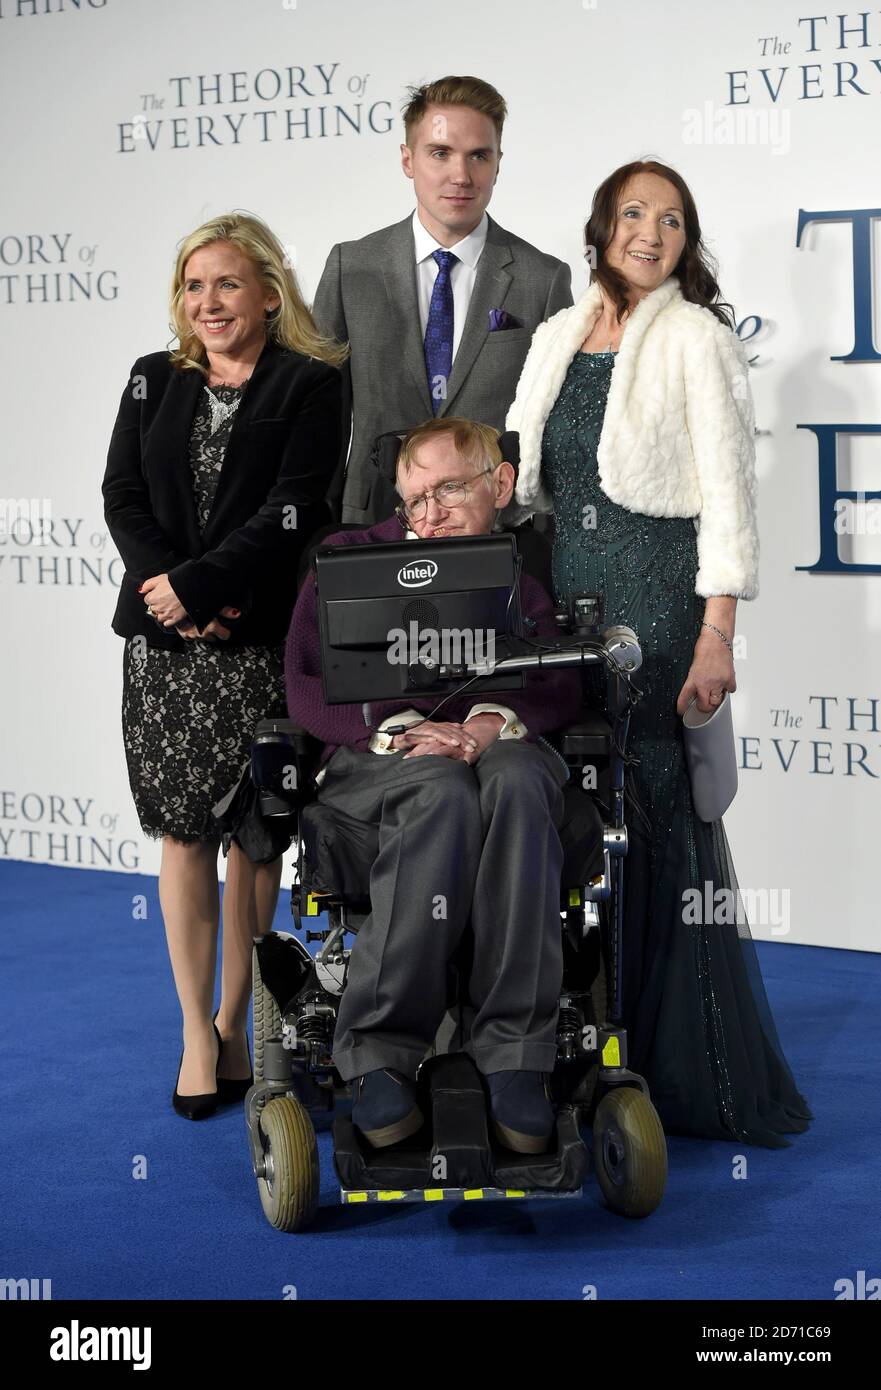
(719, 633)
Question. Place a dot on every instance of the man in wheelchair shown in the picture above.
(458, 822)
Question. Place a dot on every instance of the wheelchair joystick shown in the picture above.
(587, 614)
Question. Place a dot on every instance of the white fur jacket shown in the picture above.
(678, 431)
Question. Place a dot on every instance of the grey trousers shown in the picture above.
(454, 842)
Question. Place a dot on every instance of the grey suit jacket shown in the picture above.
(367, 296)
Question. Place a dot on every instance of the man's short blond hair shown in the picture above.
(478, 444)
(454, 91)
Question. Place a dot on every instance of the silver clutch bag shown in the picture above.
(711, 758)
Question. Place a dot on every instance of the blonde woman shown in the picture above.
(219, 463)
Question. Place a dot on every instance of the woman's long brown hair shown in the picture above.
(695, 270)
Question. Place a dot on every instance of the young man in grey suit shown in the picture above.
(439, 309)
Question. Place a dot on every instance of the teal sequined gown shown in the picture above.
(699, 1026)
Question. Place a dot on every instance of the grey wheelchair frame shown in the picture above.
(295, 1083)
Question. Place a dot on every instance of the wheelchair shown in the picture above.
(296, 996)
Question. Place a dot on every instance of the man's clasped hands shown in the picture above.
(466, 741)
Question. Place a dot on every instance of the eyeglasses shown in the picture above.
(451, 494)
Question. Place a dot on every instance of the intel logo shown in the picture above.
(417, 575)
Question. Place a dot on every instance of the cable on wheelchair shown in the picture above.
(632, 690)
(628, 760)
(634, 693)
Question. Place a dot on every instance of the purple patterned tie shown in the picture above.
(439, 330)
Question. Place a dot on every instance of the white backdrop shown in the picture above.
(129, 122)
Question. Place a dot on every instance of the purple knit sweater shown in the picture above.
(549, 699)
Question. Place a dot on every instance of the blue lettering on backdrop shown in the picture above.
(744, 336)
(154, 128)
(813, 81)
(861, 220)
(829, 561)
(27, 9)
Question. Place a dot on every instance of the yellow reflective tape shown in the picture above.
(574, 897)
(611, 1053)
(388, 1196)
(312, 905)
(472, 1194)
(433, 1194)
(355, 1196)
(514, 1192)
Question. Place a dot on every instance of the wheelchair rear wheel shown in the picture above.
(289, 1190)
(267, 1016)
(629, 1152)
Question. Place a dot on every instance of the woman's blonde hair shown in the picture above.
(291, 325)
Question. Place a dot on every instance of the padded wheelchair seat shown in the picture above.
(339, 851)
(452, 1099)
(581, 836)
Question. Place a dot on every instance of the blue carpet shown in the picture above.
(91, 1050)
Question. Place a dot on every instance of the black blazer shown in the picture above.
(283, 446)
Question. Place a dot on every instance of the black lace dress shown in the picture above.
(188, 717)
(699, 1025)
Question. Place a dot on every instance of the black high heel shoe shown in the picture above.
(228, 1090)
(197, 1107)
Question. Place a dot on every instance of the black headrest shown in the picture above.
(509, 443)
(384, 454)
(386, 447)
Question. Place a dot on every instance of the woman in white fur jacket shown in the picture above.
(636, 430)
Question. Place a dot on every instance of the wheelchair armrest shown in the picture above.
(283, 760)
(590, 737)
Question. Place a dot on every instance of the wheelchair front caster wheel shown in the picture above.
(289, 1189)
(629, 1152)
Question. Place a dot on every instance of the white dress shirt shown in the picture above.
(462, 276)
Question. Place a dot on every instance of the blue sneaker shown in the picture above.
(520, 1106)
(385, 1108)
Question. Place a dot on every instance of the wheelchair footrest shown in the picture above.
(349, 1196)
(454, 1154)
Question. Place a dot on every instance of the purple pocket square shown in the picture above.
(500, 318)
